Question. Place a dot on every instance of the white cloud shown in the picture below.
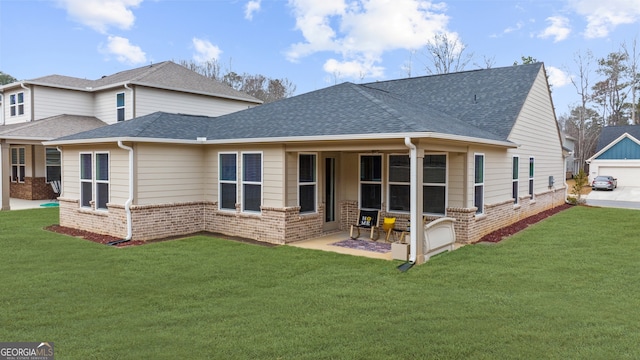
(604, 16)
(251, 7)
(101, 14)
(124, 51)
(519, 25)
(559, 28)
(205, 50)
(362, 30)
(557, 77)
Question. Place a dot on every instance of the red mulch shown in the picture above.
(493, 237)
(500, 234)
(87, 235)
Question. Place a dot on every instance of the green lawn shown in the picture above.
(566, 288)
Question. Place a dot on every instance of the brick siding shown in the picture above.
(31, 189)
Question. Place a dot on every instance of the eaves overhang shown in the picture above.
(347, 137)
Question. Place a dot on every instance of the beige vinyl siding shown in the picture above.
(536, 131)
(497, 175)
(105, 105)
(118, 172)
(211, 175)
(150, 100)
(169, 175)
(292, 179)
(274, 180)
(455, 180)
(51, 102)
(38, 158)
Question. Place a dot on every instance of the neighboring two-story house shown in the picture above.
(45, 108)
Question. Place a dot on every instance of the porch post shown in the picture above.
(419, 224)
(5, 173)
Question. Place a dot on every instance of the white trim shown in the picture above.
(479, 212)
(18, 164)
(243, 182)
(532, 177)
(610, 145)
(516, 181)
(312, 183)
(360, 182)
(46, 166)
(235, 182)
(81, 180)
(96, 181)
(301, 139)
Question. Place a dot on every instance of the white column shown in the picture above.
(5, 172)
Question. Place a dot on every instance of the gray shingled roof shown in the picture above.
(51, 127)
(166, 75)
(438, 104)
(610, 133)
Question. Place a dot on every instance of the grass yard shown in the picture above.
(565, 288)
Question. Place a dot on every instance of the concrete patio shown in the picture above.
(324, 243)
(20, 204)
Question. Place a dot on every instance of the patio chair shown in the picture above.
(388, 225)
(56, 186)
(367, 219)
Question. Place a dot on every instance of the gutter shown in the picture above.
(413, 155)
(127, 204)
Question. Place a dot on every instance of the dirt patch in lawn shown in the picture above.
(504, 232)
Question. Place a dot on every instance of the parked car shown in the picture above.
(604, 182)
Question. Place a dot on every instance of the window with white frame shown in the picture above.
(399, 183)
(371, 182)
(434, 187)
(86, 179)
(120, 106)
(18, 164)
(16, 104)
(94, 179)
(228, 181)
(251, 181)
(102, 180)
(434, 183)
(478, 188)
(307, 182)
(52, 164)
(531, 173)
(514, 181)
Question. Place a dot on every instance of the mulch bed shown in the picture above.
(500, 234)
(493, 237)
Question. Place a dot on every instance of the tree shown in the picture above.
(611, 92)
(526, 60)
(258, 86)
(6, 79)
(581, 118)
(446, 54)
(633, 58)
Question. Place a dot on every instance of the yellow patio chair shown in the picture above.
(388, 224)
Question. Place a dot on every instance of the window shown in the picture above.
(52, 164)
(18, 165)
(86, 179)
(434, 168)
(371, 181)
(251, 181)
(531, 167)
(102, 180)
(16, 104)
(478, 189)
(120, 106)
(307, 182)
(434, 179)
(94, 182)
(399, 183)
(228, 181)
(514, 176)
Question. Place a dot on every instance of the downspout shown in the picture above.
(127, 204)
(30, 101)
(413, 191)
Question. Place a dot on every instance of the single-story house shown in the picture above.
(481, 146)
(618, 155)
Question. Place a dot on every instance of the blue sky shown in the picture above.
(313, 43)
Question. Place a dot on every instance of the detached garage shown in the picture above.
(617, 155)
